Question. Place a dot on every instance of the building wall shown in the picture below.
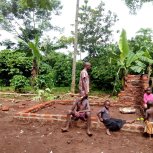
(133, 91)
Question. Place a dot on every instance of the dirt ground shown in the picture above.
(39, 137)
(62, 109)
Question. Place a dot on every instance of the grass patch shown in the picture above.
(6, 89)
(60, 90)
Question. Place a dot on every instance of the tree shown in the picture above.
(26, 18)
(49, 45)
(14, 63)
(104, 68)
(142, 41)
(130, 62)
(134, 5)
(95, 28)
(35, 49)
(75, 48)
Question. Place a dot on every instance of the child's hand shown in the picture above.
(101, 120)
(77, 114)
(81, 97)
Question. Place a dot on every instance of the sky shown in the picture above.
(132, 23)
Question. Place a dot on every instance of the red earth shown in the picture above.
(63, 109)
(44, 137)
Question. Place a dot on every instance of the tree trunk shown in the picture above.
(75, 49)
(34, 72)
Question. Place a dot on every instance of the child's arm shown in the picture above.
(99, 115)
(74, 105)
(86, 110)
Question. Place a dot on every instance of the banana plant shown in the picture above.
(128, 60)
(34, 46)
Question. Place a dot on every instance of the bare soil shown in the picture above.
(39, 137)
(63, 109)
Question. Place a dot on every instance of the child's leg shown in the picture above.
(108, 132)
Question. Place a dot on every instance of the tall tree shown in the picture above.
(95, 28)
(26, 18)
(142, 41)
(75, 48)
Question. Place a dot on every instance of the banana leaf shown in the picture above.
(123, 46)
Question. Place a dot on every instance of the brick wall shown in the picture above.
(133, 89)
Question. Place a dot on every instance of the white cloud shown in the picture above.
(132, 23)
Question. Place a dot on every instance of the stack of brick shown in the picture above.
(133, 91)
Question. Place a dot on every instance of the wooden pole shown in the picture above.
(75, 48)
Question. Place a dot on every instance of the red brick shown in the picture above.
(55, 116)
(33, 115)
(94, 124)
(140, 128)
(5, 108)
(63, 117)
(132, 127)
(25, 114)
(133, 89)
(94, 119)
(126, 126)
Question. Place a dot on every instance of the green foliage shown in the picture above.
(19, 82)
(128, 58)
(45, 81)
(130, 62)
(123, 46)
(34, 16)
(95, 28)
(14, 63)
(61, 67)
(45, 4)
(43, 95)
(104, 68)
(135, 5)
(35, 48)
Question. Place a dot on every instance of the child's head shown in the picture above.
(107, 103)
(148, 90)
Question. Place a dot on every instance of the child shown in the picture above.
(148, 97)
(149, 119)
(111, 124)
(80, 110)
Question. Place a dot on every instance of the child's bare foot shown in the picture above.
(89, 133)
(108, 132)
(64, 129)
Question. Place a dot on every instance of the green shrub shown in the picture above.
(43, 95)
(45, 81)
(19, 82)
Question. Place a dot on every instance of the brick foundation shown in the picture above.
(133, 90)
(30, 114)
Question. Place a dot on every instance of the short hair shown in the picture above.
(148, 89)
(86, 63)
(106, 101)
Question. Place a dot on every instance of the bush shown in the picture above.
(19, 83)
(45, 81)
